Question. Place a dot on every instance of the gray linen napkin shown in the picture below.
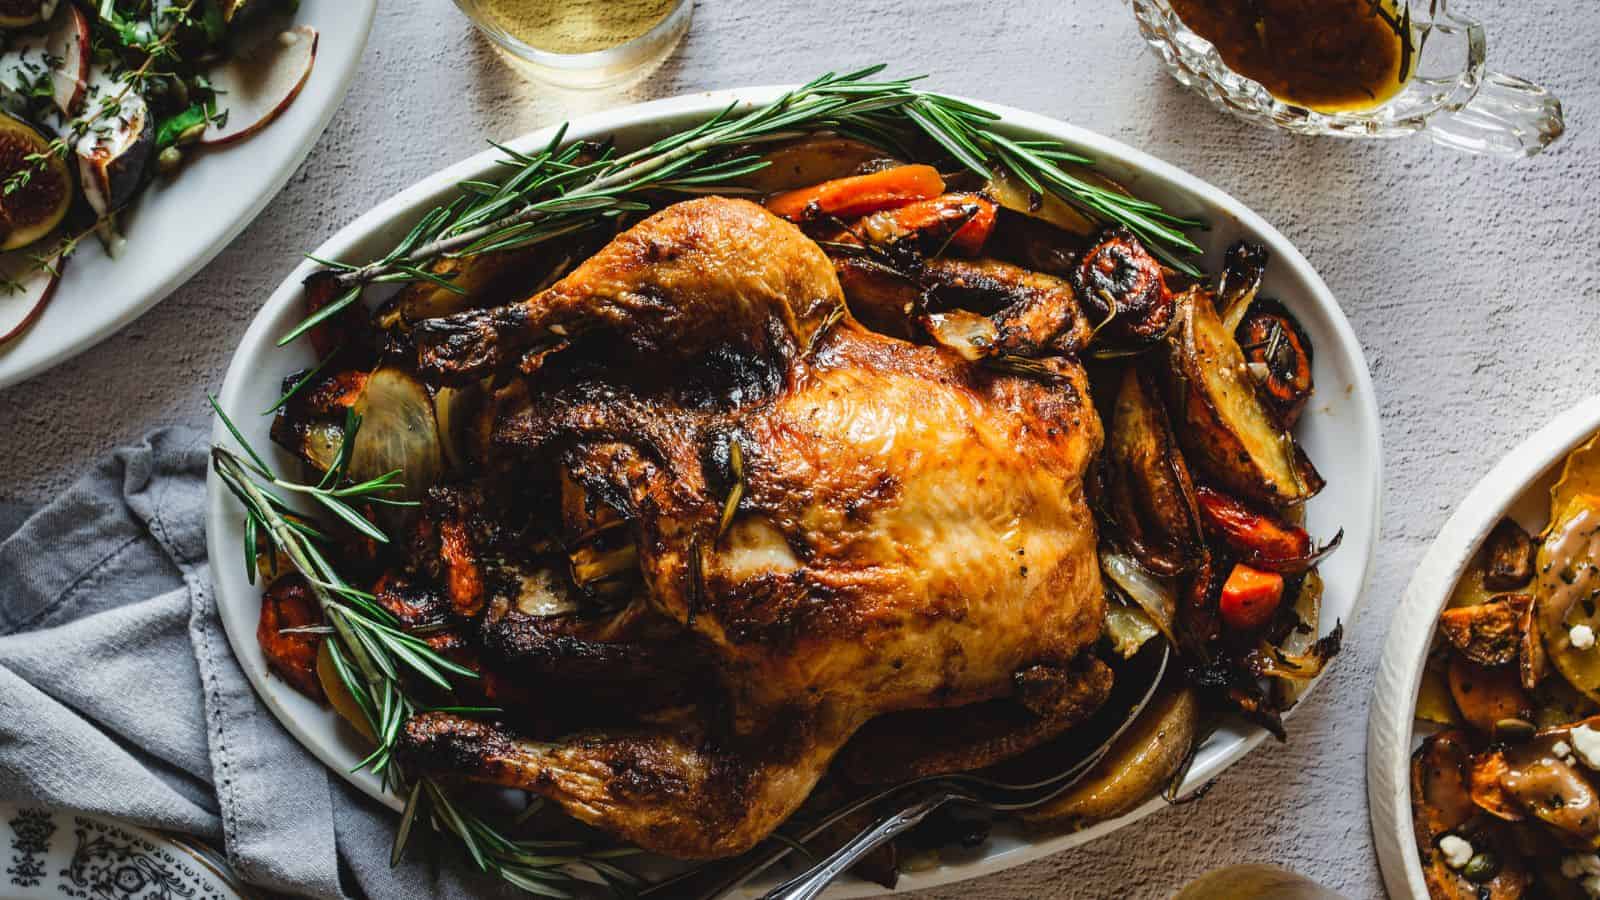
(119, 694)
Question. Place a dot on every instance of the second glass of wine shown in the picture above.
(582, 43)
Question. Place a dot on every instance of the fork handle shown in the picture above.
(810, 884)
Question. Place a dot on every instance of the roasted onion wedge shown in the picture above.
(1223, 425)
(399, 431)
(1148, 495)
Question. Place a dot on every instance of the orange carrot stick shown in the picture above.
(1250, 597)
(971, 215)
(859, 195)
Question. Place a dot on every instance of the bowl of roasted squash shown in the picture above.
(1484, 739)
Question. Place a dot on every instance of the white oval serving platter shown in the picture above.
(1339, 429)
(1518, 486)
(179, 225)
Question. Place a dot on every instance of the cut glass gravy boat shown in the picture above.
(1450, 96)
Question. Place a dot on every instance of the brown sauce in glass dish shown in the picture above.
(1325, 55)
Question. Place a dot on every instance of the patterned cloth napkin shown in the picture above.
(120, 697)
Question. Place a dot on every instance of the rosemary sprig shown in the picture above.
(376, 661)
(559, 190)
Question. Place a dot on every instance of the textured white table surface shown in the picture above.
(1474, 287)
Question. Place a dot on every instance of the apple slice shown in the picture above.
(69, 47)
(62, 53)
(22, 13)
(259, 82)
(27, 287)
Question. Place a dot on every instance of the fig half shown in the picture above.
(112, 160)
(38, 185)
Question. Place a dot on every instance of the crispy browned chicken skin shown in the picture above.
(911, 531)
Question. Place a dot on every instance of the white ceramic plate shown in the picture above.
(1339, 429)
(1519, 487)
(53, 854)
(179, 225)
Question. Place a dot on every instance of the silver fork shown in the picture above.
(716, 879)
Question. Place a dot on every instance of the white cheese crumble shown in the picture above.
(1581, 636)
(1457, 852)
(1563, 752)
(1586, 743)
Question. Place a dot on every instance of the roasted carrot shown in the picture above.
(1248, 531)
(859, 195)
(289, 603)
(959, 222)
(1250, 597)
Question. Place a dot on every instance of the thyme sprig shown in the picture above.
(559, 190)
(377, 663)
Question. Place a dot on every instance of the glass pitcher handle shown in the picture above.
(1507, 117)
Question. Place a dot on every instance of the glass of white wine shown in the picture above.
(582, 43)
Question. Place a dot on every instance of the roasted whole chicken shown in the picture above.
(830, 526)
(734, 499)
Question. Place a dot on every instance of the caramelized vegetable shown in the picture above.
(1121, 285)
(347, 326)
(339, 696)
(1243, 267)
(289, 603)
(1510, 557)
(1568, 566)
(1488, 696)
(1250, 597)
(954, 223)
(1148, 495)
(1434, 703)
(859, 195)
(399, 432)
(1440, 801)
(1139, 764)
(1489, 634)
(1262, 540)
(1220, 420)
(1441, 805)
(1279, 355)
(812, 160)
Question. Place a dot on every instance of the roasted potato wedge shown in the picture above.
(1141, 763)
(289, 603)
(1148, 494)
(813, 160)
(1223, 425)
(485, 280)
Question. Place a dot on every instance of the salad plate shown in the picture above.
(179, 224)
